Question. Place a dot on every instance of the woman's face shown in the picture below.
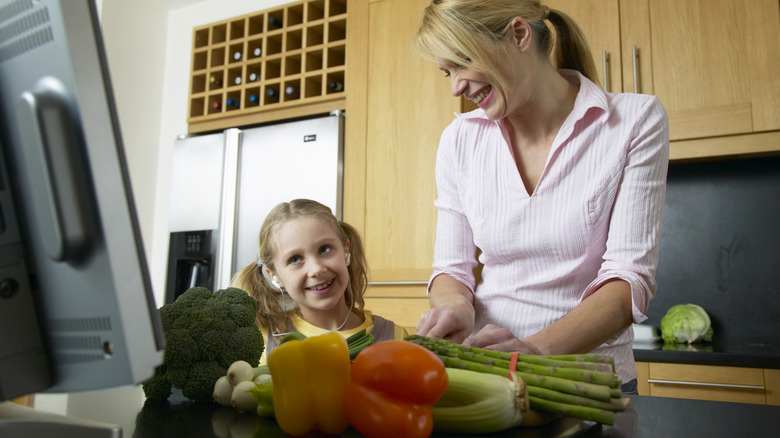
(517, 65)
(475, 86)
(310, 262)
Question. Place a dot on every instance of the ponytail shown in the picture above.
(357, 268)
(571, 50)
(271, 304)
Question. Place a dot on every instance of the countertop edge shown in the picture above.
(770, 361)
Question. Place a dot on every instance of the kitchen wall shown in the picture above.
(149, 43)
(720, 248)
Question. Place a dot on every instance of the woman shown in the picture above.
(558, 185)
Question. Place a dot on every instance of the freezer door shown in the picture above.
(278, 163)
(196, 183)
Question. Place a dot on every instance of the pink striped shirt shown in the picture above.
(594, 215)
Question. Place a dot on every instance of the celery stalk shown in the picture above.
(478, 403)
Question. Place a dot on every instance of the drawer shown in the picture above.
(706, 382)
(402, 311)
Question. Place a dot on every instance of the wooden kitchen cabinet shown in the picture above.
(390, 187)
(399, 105)
(713, 64)
(269, 65)
(709, 382)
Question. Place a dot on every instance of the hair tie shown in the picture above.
(259, 263)
(545, 12)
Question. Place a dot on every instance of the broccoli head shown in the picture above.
(205, 332)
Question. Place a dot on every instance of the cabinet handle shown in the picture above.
(604, 57)
(714, 385)
(396, 283)
(636, 72)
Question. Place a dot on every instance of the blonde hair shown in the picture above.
(273, 308)
(466, 31)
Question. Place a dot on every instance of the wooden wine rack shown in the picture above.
(242, 67)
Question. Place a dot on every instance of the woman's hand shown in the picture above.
(446, 321)
(500, 339)
(452, 311)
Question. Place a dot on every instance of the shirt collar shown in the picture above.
(590, 96)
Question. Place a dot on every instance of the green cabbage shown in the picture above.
(686, 323)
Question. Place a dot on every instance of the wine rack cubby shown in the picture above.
(278, 63)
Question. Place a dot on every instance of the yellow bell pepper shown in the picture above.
(309, 379)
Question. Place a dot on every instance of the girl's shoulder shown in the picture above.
(385, 330)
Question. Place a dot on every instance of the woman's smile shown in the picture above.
(483, 97)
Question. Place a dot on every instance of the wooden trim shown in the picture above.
(356, 120)
(710, 122)
(772, 386)
(397, 291)
(635, 31)
(25, 400)
(267, 115)
(729, 146)
(643, 371)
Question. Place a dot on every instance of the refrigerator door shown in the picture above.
(278, 163)
(196, 183)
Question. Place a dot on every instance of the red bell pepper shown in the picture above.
(393, 386)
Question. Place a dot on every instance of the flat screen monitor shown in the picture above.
(77, 311)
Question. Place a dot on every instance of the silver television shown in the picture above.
(77, 311)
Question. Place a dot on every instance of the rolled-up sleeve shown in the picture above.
(454, 251)
(635, 225)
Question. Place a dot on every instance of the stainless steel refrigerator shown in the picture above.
(224, 184)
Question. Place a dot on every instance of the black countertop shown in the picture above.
(646, 417)
(738, 355)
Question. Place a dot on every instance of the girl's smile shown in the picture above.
(322, 288)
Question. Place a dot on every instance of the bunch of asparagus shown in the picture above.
(582, 386)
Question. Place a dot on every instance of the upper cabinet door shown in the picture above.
(392, 138)
(600, 22)
(715, 63)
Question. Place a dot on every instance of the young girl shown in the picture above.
(310, 277)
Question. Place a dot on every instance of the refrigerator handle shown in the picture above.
(225, 253)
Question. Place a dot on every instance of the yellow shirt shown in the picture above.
(307, 329)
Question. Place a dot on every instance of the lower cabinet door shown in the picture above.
(704, 382)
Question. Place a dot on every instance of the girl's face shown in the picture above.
(310, 262)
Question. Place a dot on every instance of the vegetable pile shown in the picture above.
(582, 386)
(205, 333)
(408, 388)
(686, 324)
